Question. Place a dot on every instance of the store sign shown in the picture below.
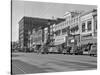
(59, 40)
(85, 37)
(72, 40)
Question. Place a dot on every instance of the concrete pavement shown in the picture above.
(28, 63)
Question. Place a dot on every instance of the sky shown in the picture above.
(22, 8)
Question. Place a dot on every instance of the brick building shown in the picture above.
(27, 24)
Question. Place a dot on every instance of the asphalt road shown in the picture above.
(29, 63)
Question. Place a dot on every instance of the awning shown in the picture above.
(88, 41)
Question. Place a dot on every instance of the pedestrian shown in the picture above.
(38, 49)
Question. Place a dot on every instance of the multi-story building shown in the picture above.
(36, 38)
(26, 25)
(61, 30)
(78, 28)
(67, 31)
(74, 37)
(88, 27)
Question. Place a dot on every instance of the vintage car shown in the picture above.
(93, 50)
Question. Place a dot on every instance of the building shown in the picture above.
(74, 37)
(68, 30)
(95, 23)
(27, 24)
(14, 46)
(88, 27)
(36, 38)
(61, 31)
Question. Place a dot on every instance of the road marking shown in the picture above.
(20, 69)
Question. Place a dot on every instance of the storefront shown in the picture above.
(70, 41)
(88, 38)
(59, 42)
(73, 40)
(87, 41)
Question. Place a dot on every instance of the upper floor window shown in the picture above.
(74, 29)
(57, 32)
(89, 25)
(83, 27)
(95, 22)
(64, 30)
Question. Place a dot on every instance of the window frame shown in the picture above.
(89, 28)
(84, 26)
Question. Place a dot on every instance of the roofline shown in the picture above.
(35, 18)
(90, 11)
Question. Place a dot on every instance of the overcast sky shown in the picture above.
(40, 9)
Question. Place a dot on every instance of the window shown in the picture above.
(77, 19)
(83, 27)
(57, 33)
(89, 26)
(64, 30)
(74, 29)
(95, 22)
(74, 19)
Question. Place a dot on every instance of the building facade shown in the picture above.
(27, 24)
(24, 27)
(88, 27)
(74, 30)
(68, 30)
(61, 31)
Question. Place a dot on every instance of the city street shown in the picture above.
(28, 63)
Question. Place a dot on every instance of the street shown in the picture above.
(30, 63)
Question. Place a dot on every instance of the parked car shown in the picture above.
(72, 50)
(44, 49)
(66, 50)
(52, 49)
(93, 50)
(76, 50)
(85, 50)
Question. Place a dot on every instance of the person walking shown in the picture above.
(38, 49)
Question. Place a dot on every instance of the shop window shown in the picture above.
(83, 27)
(89, 25)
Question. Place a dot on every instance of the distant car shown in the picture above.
(93, 50)
(76, 50)
(52, 49)
(72, 51)
(67, 50)
(85, 51)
